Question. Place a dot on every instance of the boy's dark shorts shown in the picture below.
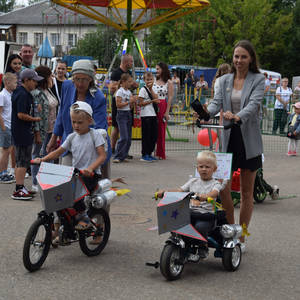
(23, 156)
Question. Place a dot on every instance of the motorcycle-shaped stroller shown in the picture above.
(186, 244)
(60, 186)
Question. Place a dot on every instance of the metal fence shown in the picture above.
(181, 135)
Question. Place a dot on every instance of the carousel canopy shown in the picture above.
(171, 9)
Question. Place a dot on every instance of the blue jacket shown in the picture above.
(63, 124)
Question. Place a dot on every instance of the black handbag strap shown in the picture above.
(148, 92)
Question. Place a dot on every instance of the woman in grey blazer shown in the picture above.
(239, 96)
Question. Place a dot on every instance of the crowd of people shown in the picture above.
(39, 111)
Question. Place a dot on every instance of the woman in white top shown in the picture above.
(163, 87)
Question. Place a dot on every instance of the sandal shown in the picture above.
(83, 225)
(96, 241)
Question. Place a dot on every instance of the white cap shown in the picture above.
(83, 106)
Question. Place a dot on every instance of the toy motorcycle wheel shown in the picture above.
(36, 245)
(170, 265)
(232, 258)
(259, 193)
(93, 240)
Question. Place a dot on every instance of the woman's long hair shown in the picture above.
(165, 73)
(45, 72)
(253, 66)
(9, 60)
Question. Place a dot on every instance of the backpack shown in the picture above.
(103, 133)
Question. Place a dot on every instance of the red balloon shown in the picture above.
(203, 137)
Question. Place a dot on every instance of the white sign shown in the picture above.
(224, 162)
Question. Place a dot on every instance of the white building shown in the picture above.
(31, 24)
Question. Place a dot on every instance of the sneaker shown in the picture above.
(116, 160)
(146, 158)
(294, 153)
(289, 153)
(153, 158)
(31, 193)
(34, 188)
(27, 175)
(275, 193)
(129, 156)
(6, 178)
(21, 195)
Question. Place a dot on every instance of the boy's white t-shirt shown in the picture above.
(5, 102)
(199, 186)
(125, 95)
(147, 110)
(285, 96)
(83, 148)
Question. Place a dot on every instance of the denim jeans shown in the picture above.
(124, 120)
(39, 150)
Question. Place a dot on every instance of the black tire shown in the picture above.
(259, 192)
(232, 258)
(36, 245)
(100, 229)
(168, 267)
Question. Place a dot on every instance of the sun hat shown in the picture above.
(82, 106)
(83, 66)
(30, 74)
(297, 105)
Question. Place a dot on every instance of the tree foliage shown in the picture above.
(207, 38)
(100, 44)
(7, 5)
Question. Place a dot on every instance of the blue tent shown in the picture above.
(45, 50)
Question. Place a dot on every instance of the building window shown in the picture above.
(55, 39)
(23, 38)
(38, 39)
(72, 39)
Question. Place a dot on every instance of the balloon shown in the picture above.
(203, 137)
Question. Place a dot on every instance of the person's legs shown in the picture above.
(227, 202)
(115, 130)
(160, 146)
(129, 133)
(122, 119)
(35, 168)
(290, 146)
(153, 134)
(12, 159)
(4, 158)
(277, 118)
(283, 120)
(246, 207)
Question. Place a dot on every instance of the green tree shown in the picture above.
(100, 44)
(191, 40)
(7, 5)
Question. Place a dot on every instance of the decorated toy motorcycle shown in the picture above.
(60, 187)
(186, 244)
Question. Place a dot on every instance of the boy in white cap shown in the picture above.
(87, 147)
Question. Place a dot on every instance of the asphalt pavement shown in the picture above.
(270, 268)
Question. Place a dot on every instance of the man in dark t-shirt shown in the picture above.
(125, 66)
(22, 116)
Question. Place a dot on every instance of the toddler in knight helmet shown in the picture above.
(88, 153)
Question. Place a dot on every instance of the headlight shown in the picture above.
(231, 231)
(227, 231)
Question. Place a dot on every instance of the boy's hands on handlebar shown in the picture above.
(36, 161)
(87, 172)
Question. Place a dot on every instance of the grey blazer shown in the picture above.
(252, 96)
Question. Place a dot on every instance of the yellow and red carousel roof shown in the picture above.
(173, 9)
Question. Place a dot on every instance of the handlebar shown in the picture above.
(225, 127)
(76, 171)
